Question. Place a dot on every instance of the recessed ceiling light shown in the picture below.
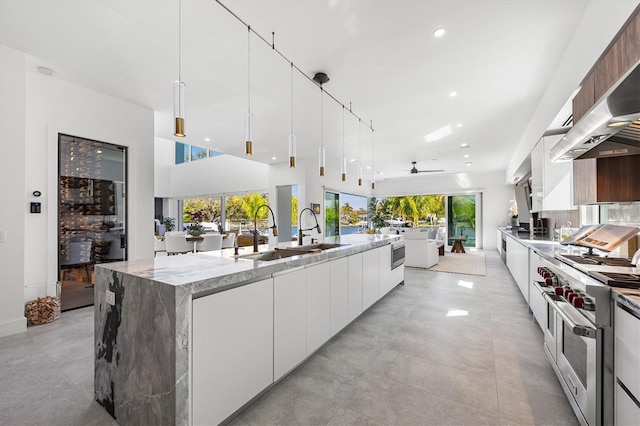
(464, 145)
(468, 163)
(98, 151)
(459, 125)
(380, 173)
(439, 32)
(466, 156)
(453, 94)
(273, 158)
(46, 71)
(353, 159)
(207, 139)
(368, 167)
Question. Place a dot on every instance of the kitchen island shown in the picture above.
(191, 339)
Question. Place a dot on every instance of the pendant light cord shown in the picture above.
(179, 43)
(272, 46)
(291, 97)
(249, 69)
(321, 118)
(343, 131)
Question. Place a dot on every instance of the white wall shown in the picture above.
(224, 174)
(597, 27)
(495, 195)
(13, 204)
(51, 106)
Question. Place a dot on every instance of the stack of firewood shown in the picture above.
(43, 310)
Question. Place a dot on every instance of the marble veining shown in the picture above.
(142, 342)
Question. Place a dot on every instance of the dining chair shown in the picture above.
(230, 241)
(158, 246)
(210, 242)
(177, 244)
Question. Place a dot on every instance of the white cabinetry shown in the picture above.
(558, 179)
(536, 295)
(551, 183)
(385, 278)
(290, 321)
(232, 349)
(369, 278)
(627, 367)
(318, 305)
(518, 264)
(355, 286)
(537, 177)
(339, 294)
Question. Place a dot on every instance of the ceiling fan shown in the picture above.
(414, 170)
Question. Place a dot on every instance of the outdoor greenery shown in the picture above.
(417, 209)
(349, 215)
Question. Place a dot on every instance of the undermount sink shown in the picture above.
(321, 246)
(274, 254)
(283, 253)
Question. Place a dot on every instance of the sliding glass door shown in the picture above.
(461, 218)
(331, 214)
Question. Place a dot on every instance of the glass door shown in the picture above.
(331, 214)
(92, 214)
(461, 214)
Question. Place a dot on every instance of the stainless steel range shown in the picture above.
(578, 338)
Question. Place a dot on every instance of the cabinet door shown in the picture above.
(626, 411)
(558, 179)
(385, 279)
(290, 321)
(339, 294)
(518, 264)
(355, 286)
(232, 349)
(318, 305)
(369, 278)
(627, 356)
(537, 172)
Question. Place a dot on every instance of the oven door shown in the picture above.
(397, 254)
(549, 325)
(577, 346)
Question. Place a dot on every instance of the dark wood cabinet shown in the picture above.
(606, 180)
(584, 99)
(620, 56)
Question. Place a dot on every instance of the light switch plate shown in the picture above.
(111, 298)
(2, 236)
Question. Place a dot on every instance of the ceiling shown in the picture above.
(381, 57)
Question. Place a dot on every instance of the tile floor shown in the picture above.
(412, 359)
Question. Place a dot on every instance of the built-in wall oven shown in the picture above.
(397, 254)
(574, 341)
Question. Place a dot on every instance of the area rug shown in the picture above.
(469, 263)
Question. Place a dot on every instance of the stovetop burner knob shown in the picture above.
(578, 302)
(559, 290)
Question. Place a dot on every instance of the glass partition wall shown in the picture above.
(92, 214)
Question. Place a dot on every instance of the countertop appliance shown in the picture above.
(578, 338)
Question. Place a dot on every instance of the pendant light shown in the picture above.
(292, 136)
(248, 146)
(343, 162)
(359, 155)
(373, 162)
(321, 151)
(179, 86)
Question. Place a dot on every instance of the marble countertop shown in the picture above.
(214, 271)
(579, 272)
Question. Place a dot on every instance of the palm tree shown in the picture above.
(251, 203)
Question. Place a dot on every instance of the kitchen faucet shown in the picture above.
(301, 231)
(255, 226)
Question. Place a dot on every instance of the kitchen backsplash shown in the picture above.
(621, 214)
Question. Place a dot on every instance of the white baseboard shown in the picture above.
(12, 327)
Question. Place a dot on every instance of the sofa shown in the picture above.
(420, 251)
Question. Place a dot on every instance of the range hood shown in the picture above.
(617, 113)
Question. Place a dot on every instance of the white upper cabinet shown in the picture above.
(551, 183)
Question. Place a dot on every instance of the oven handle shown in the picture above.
(577, 329)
